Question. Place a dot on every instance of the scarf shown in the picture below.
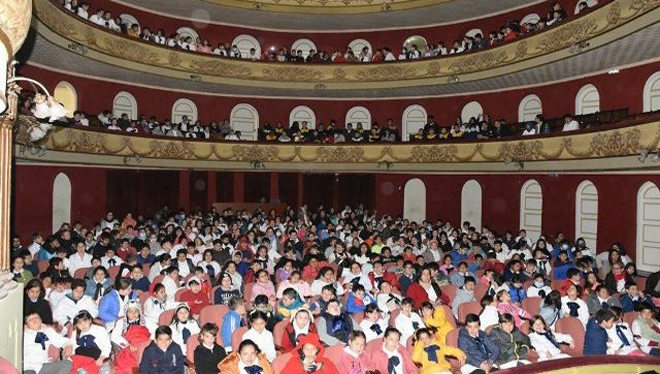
(551, 337)
(573, 306)
(619, 331)
(620, 277)
(392, 363)
(376, 328)
(254, 369)
(99, 291)
(41, 338)
(210, 270)
(431, 351)
(542, 294)
(185, 334)
(415, 325)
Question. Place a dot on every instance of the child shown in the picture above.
(546, 343)
(632, 298)
(155, 306)
(505, 305)
(232, 320)
(513, 344)
(291, 301)
(262, 304)
(358, 299)
(387, 300)
(408, 321)
(309, 358)
(258, 334)
(465, 294)
(621, 339)
(489, 315)
(595, 339)
(73, 303)
(434, 318)
(353, 359)
(163, 355)
(111, 306)
(335, 326)
(601, 299)
(458, 278)
(20, 274)
(480, 351)
(226, 291)
(263, 286)
(516, 290)
(92, 344)
(171, 282)
(37, 339)
(208, 353)
(195, 298)
(183, 326)
(562, 265)
(129, 333)
(301, 323)
(646, 330)
(110, 259)
(392, 356)
(572, 278)
(573, 306)
(373, 324)
(539, 288)
(140, 282)
(58, 293)
(249, 357)
(430, 354)
(477, 264)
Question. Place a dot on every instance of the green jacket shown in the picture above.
(513, 346)
(23, 277)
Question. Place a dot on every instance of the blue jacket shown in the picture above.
(459, 280)
(353, 306)
(142, 284)
(91, 287)
(155, 361)
(405, 282)
(146, 261)
(628, 304)
(517, 294)
(109, 306)
(560, 270)
(230, 322)
(595, 339)
(457, 257)
(478, 351)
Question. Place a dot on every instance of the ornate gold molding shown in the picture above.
(328, 6)
(621, 18)
(15, 16)
(610, 144)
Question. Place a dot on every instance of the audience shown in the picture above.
(105, 321)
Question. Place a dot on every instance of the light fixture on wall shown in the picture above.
(257, 165)
(645, 154)
(134, 158)
(387, 165)
(517, 163)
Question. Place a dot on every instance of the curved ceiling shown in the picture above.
(641, 46)
(205, 11)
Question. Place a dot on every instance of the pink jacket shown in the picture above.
(301, 287)
(380, 360)
(515, 311)
(262, 289)
(354, 365)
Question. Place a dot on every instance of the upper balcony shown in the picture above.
(591, 41)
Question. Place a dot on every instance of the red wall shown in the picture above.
(623, 90)
(334, 40)
(617, 196)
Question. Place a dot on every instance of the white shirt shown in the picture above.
(153, 308)
(544, 346)
(54, 297)
(95, 18)
(82, 13)
(571, 126)
(617, 343)
(177, 332)
(364, 280)
(76, 262)
(34, 248)
(67, 309)
(318, 284)
(405, 324)
(532, 291)
(170, 288)
(34, 356)
(264, 341)
(184, 269)
(488, 317)
(531, 131)
(382, 301)
(365, 325)
(101, 338)
(399, 368)
(583, 311)
(105, 261)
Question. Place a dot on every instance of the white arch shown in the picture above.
(245, 118)
(357, 45)
(61, 201)
(648, 228)
(304, 45)
(530, 18)
(129, 20)
(471, 109)
(587, 100)
(187, 31)
(531, 209)
(184, 107)
(66, 94)
(423, 46)
(474, 32)
(359, 114)
(303, 113)
(529, 107)
(471, 203)
(652, 93)
(244, 43)
(586, 213)
(414, 200)
(124, 102)
(413, 119)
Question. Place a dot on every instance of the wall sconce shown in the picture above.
(453, 79)
(257, 165)
(387, 165)
(517, 163)
(653, 155)
(132, 158)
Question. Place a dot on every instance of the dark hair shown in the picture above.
(486, 300)
(407, 301)
(34, 283)
(261, 300)
(423, 330)
(357, 334)
(391, 330)
(234, 302)
(358, 287)
(470, 318)
(604, 315)
(506, 317)
(75, 283)
(210, 328)
(630, 284)
(163, 330)
(158, 287)
(83, 315)
(122, 283)
(469, 279)
(290, 293)
(246, 343)
(572, 272)
(371, 308)
(255, 315)
(553, 299)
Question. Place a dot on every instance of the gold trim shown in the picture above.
(592, 150)
(604, 25)
(4, 39)
(332, 7)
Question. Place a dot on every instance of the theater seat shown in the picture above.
(393, 316)
(449, 290)
(449, 315)
(80, 273)
(333, 353)
(42, 265)
(278, 332)
(280, 362)
(480, 291)
(113, 272)
(213, 314)
(357, 317)
(193, 342)
(467, 308)
(573, 327)
(629, 317)
(532, 305)
(165, 318)
(248, 292)
(237, 337)
(373, 346)
(179, 292)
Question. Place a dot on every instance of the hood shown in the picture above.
(314, 340)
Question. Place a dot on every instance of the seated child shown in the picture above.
(430, 354)
(547, 343)
(163, 355)
(208, 353)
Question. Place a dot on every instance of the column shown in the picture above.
(274, 187)
(212, 188)
(184, 190)
(239, 187)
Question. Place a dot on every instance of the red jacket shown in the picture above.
(309, 274)
(379, 357)
(420, 296)
(387, 277)
(289, 336)
(196, 301)
(294, 365)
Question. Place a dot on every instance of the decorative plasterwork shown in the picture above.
(328, 6)
(554, 44)
(15, 18)
(78, 144)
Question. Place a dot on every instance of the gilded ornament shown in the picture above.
(292, 73)
(521, 151)
(128, 50)
(386, 72)
(220, 68)
(255, 153)
(615, 144)
(339, 74)
(614, 14)
(521, 49)
(433, 153)
(433, 68)
(81, 141)
(478, 61)
(171, 149)
(339, 154)
(571, 33)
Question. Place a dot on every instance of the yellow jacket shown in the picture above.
(429, 367)
(439, 322)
